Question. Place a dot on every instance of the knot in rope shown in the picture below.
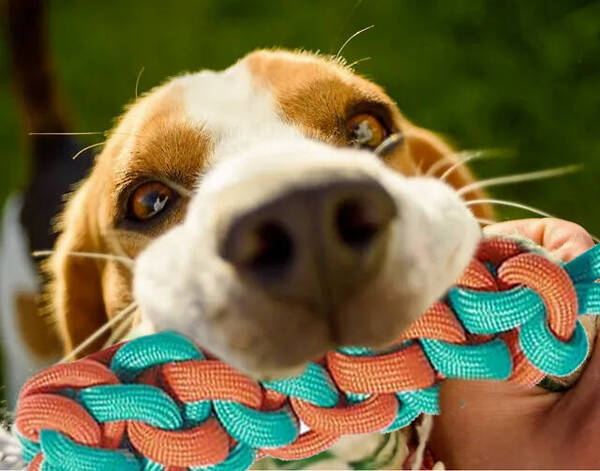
(160, 403)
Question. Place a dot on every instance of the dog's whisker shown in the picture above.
(456, 158)
(84, 133)
(356, 62)
(448, 159)
(120, 332)
(511, 204)
(91, 146)
(470, 157)
(137, 81)
(462, 161)
(485, 221)
(344, 24)
(518, 178)
(351, 38)
(98, 333)
(106, 133)
(103, 256)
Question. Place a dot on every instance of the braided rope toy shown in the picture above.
(160, 403)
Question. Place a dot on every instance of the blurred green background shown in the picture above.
(522, 76)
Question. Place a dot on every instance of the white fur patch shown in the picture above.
(234, 109)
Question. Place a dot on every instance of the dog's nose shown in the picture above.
(315, 243)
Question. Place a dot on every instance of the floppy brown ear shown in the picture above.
(75, 289)
(430, 153)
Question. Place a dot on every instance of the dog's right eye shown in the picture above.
(148, 200)
(365, 130)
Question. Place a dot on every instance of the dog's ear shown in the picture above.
(431, 155)
(74, 289)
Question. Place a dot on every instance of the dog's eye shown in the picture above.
(148, 200)
(364, 130)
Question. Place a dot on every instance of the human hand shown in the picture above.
(500, 425)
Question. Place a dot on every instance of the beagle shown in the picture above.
(248, 210)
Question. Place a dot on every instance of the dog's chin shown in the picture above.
(270, 360)
(289, 336)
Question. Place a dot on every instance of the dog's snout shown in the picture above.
(315, 243)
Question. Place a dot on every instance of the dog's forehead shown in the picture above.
(310, 79)
(266, 94)
(228, 103)
(275, 91)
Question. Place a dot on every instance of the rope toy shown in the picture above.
(160, 403)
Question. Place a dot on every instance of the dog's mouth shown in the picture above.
(271, 336)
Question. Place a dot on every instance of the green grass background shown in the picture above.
(523, 76)
(516, 75)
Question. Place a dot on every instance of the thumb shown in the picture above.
(562, 239)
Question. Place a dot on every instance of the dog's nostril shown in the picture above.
(273, 251)
(355, 224)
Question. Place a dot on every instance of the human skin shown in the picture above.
(500, 425)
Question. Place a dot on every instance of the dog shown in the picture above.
(249, 211)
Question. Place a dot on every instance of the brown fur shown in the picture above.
(41, 339)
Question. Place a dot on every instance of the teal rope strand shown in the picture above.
(62, 453)
(313, 385)
(424, 400)
(588, 297)
(490, 360)
(255, 428)
(586, 267)
(490, 312)
(547, 353)
(152, 350)
(132, 402)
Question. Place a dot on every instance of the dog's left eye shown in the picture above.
(148, 200)
(365, 130)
